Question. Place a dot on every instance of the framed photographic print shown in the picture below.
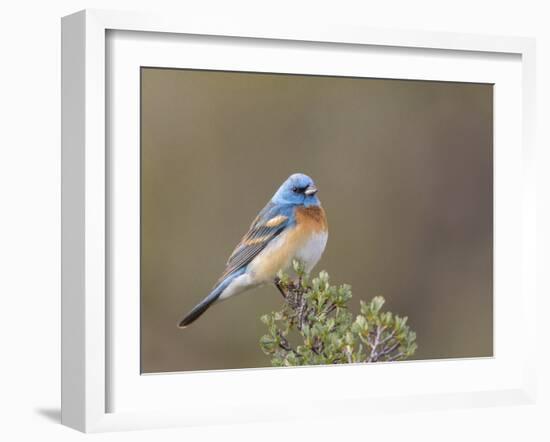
(249, 212)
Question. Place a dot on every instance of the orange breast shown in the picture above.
(280, 252)
(311, 219)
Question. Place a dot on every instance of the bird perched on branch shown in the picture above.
(291, 226)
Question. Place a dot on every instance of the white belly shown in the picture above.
(312, 250)
(278, 255)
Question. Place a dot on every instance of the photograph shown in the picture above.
(295, 220)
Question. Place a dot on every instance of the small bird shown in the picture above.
(291, 226)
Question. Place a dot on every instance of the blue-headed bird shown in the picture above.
(292, 225)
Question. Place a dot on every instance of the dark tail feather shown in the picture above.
(202, 306)
(199, 309)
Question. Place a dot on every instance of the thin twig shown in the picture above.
(389, 350)
(374, 354)
(387, 338)
(347, 352)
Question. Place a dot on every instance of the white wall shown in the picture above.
(30, 221)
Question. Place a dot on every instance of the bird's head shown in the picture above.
(297, 189)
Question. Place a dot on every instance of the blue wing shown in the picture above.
(270, 222)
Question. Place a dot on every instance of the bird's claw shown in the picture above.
(277, 282)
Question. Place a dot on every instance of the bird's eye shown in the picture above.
(295, 189)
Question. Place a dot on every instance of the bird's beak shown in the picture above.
(311, 190)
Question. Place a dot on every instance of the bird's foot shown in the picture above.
(277, 282)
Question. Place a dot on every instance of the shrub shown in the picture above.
(316, 327)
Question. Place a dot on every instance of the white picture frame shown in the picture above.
(87, 200)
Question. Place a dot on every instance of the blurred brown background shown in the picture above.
(404, 170)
